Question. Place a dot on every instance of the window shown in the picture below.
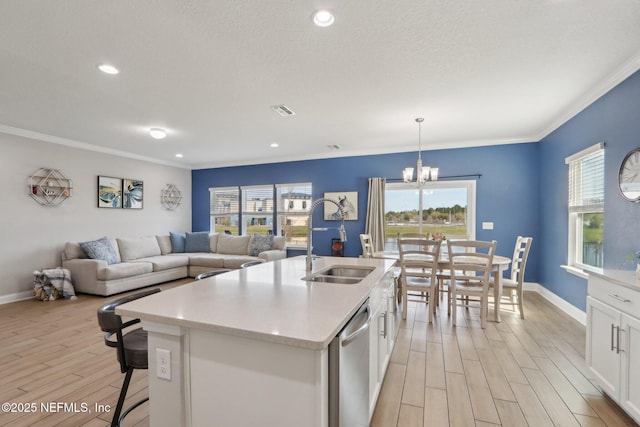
(257, 210)
(586, 208)
(293, 205)
(224, 209)
(446, 207)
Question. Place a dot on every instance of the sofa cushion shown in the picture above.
(233, 245)
(162, 262)
(139, 247)
(165, 244)
(213, 243)
(279, 243)
(177, 242)
(207, 260)
(260, 243)
(73, 250)
(197, 242)
(124, 270)
(101, 249)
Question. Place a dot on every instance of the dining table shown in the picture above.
(499, 265)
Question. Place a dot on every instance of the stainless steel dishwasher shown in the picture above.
(349, 372)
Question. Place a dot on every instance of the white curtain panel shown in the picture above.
(375, 213)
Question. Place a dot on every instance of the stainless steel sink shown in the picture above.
(345, 274)
(334, 279)
(348, 271)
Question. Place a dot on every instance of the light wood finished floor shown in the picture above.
(515, 373)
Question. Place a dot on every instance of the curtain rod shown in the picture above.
(477, 175)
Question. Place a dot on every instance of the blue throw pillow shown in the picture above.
(260, 243)
(197, 242)
(101, 249)
(177, 242)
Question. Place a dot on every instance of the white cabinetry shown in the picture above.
(613, 337)
(381, 335)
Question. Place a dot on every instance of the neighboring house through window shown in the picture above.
(251, 210)
(224, 209)
(293, 205)
(257, 209)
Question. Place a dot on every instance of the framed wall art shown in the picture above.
(132, 194)
(347, 200)
(109, 192)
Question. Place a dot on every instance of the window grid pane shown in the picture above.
(293, 205)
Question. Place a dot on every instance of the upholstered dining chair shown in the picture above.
(130, 344)
(518, 265)
(418, 268)
(470, 263)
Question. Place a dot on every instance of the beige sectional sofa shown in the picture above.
(132, 263)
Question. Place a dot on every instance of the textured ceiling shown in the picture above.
(479, 72)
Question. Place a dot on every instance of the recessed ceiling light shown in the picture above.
(274, 145)
(323, 18)
(157, 133)
(179, 155)
(109, 69)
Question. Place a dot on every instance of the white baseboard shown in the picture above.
(554, 299)
(18, 296)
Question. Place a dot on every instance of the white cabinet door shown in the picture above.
(374, 376)
(383, 340)
(630, 351)
(602, 358)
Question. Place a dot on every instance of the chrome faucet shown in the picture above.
(310, 229)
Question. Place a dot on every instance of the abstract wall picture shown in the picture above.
(109, 192)
(132, 194)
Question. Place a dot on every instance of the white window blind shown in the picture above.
(586, 180)
(257, 199)
(224, 201)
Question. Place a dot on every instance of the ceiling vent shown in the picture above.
(283, 110)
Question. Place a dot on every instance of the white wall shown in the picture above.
(32, 236)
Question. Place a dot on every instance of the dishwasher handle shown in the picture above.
(361, 329)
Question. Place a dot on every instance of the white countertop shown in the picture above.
(268, 302)
(626, 278)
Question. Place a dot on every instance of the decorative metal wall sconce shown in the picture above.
(49, 187)
(171, 197)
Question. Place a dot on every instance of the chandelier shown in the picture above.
(423, 173)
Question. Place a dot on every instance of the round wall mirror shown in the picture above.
(629, 176)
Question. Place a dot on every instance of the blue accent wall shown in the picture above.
(614, 119)
(506, 193)
(523, 188)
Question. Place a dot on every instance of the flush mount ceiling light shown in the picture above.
(108, 69)
(274, 145)
(423, 173)
(179, 156)
(157, 133)
(323, 18)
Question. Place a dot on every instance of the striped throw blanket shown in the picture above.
(53, 283)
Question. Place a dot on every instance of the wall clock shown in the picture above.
(629, 176)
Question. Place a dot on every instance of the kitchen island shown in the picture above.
(250, 347)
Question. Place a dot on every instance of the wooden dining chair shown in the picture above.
(418, 268)
(367, 246)
(470, 263)
(515, 281)
(408, 236)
